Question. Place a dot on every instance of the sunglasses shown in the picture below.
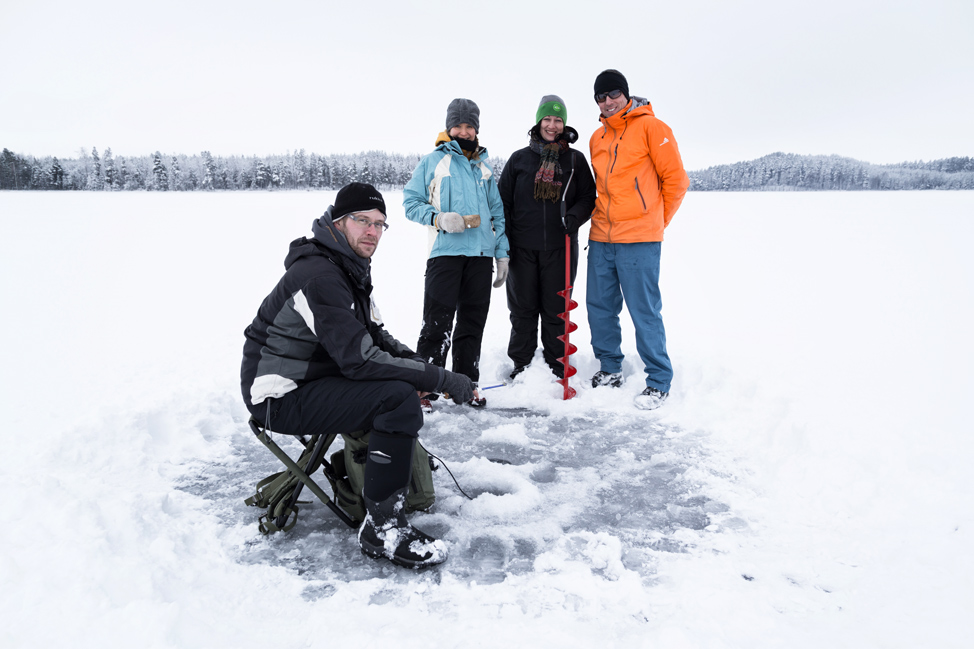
(612, 94)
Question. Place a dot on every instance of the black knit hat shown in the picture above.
(357, 197)
(463, 111)
(610, 80)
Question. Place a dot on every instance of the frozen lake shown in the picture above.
(806, 485)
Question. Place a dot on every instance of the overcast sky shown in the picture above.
(878, 81)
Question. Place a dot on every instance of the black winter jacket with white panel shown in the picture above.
(320, 320)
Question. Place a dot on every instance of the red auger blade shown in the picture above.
(570, 326)
(569, 349)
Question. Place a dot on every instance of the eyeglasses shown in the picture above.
(612, 94)
(380, 226)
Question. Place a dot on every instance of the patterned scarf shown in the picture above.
(545, 185)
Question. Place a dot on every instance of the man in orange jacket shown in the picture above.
(641, 182)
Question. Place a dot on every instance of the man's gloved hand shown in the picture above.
(450, 222)
(502, 265)
(458, 386)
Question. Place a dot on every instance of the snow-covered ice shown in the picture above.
(806, 485)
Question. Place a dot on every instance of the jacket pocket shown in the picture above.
(640, 194)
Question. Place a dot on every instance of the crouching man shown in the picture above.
(318, 359)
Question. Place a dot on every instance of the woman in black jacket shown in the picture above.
(548, 192)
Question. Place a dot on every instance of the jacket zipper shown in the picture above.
(608, 196)
(544, 225)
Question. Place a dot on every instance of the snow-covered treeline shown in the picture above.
(300, 170)
(788, 171)
(177, 172)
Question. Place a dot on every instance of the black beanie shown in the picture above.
(463, 111)
(357, 197)
(610, 80)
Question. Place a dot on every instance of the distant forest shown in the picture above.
(92, 171)
(790, 172)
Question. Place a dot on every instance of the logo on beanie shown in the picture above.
(557, 108)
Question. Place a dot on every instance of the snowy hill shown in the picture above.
(805, 486)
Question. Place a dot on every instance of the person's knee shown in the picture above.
(400, 411)
(398, 393)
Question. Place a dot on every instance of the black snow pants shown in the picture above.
(389, 410)
(338, 405)
(457, 286)
(533, 281)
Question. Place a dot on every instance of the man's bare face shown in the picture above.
(362, 239)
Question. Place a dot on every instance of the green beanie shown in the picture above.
(551, 105)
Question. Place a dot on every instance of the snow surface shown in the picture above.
(806, 485)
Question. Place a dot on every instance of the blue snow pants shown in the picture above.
(631, 270)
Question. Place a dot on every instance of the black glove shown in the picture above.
(571, 226)
(458, 386)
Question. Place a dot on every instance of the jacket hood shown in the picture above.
(328, 242)
(442, 137)
(446, 143)
(639, 102)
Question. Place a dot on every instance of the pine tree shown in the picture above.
(122, 179)
(209, 171)
(329, 172)
(300, 169)
(9, 170)
(260, 174)
(160, 175)
(138, 179)
(314, 172)
(366, 175)
(111, 177)
(174, 175)
(56, 175)
(95, 181)
(38, 176)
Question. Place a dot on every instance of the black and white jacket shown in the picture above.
(320, 320)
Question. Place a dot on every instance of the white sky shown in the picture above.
(882, 81)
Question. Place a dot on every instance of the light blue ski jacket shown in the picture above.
(445, 181)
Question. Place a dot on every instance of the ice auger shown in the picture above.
(569, 325)
(569, 303)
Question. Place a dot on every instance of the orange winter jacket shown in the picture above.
(639, 176)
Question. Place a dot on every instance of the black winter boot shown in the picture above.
(387, 533)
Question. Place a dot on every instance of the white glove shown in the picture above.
(450, 222)
(502, 265)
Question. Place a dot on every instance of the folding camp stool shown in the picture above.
(318, 444)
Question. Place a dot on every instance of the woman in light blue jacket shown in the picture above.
(453, 191)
